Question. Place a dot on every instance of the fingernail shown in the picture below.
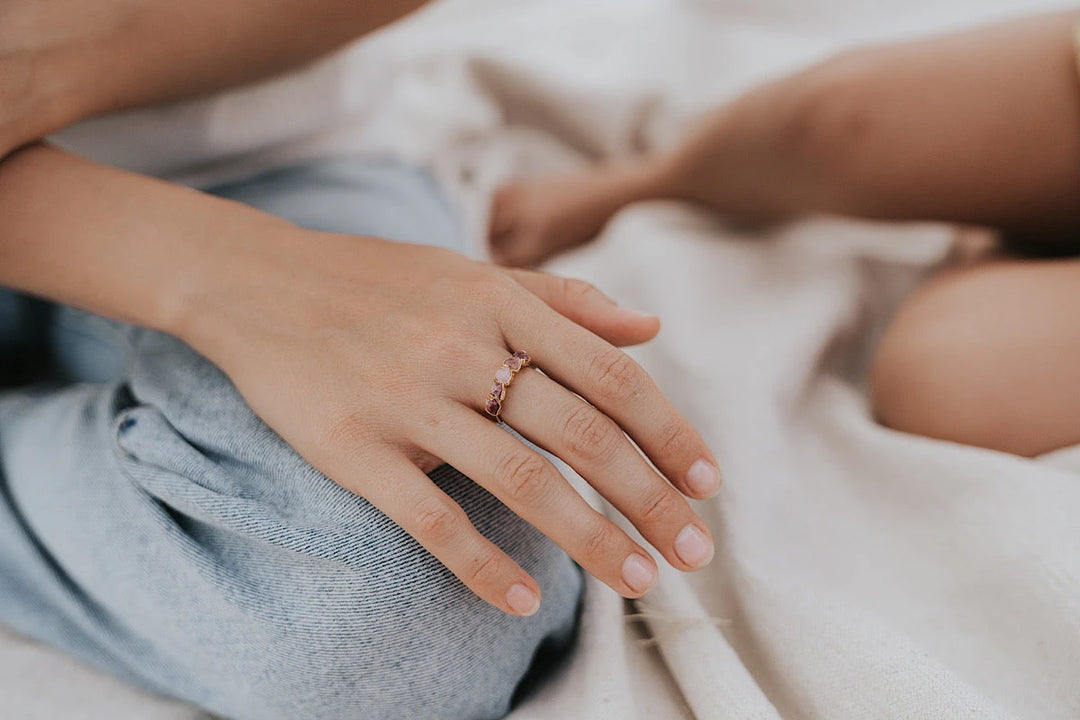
(638, 573)
(693, 546)
(522, 600)
(703, 478)
(638, 313)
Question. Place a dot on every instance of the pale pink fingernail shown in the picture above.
(703, 479)
(638, 573)
(522, 600)
(693, 546)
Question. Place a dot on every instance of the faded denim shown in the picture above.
(153, 526)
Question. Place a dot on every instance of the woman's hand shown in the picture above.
(374, 360)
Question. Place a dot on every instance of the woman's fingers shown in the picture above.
(591, 443)
(587, 306)
(611, 380)
(534, 489)
(410, 499)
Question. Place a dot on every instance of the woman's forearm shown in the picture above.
(979, 127)
(114, 243)
(66, 60)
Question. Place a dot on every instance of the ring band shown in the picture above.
(503, 378)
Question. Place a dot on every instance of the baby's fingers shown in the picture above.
(413, 501)
(587, 306)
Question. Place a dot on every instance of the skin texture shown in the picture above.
(980, 128)
(330, 339)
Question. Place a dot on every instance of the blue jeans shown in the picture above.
(152, 525)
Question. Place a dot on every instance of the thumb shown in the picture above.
(586, 305)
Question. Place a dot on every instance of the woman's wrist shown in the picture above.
(122, 245)
(233, 255)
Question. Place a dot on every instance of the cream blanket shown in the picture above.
(860, 573)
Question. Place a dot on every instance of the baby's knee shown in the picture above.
(957, 364)
(931, 375)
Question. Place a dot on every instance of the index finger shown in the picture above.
(612, 381)
(586, 305)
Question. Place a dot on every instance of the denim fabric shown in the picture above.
(152, 525)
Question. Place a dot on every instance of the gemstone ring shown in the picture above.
(503, 376)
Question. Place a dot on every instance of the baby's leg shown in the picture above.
(987, 355)
(980, 127)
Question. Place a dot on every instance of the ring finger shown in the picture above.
(597, 448)
(533, 488)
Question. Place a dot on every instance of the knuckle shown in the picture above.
(674, 437)
(489, 288)
(617, 376)
(599, 543)
(505, 297)
(525, 478)
(435, 420)
(346, 430)
(659, 505)
(587, 433)
(434, 521)
(578, 292)
(485, 569)
(503, 285)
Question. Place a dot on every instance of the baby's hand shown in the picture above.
(533, 220)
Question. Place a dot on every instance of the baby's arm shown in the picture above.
(979, 127)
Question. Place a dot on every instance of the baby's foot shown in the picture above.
(533, 220)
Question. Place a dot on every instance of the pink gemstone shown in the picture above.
(523, 356)
(503, 375)
(493, 406)
(513, 362)
(497, 391)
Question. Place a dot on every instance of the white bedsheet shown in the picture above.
(860, 573)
